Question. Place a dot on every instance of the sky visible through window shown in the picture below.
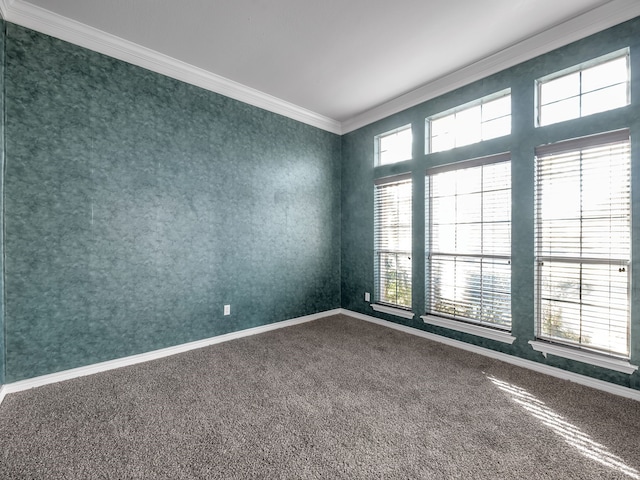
(595, 89)
(485, 120)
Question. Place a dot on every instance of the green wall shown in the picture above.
(136, 206)
(2, 165)
(358, 174)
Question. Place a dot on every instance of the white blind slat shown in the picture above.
(392, 241)
(469, 225)
(583, 247)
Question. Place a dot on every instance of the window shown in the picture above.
(583, 242)
(469, 241)
(483, 119)
(392, 241)
(597, 86)
(394, 146)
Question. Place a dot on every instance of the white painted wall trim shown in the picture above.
(3, 8)
(520, 362)
(165, 352)
(153, 355)
(44, 21)
(583, 356)
(27, 15)
(596, 20)
(478, 330)
(398, 312)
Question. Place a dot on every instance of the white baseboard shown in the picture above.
(520, 362)
(153, 355)
(185, 347)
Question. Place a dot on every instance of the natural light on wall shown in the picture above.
(571, 434)
(599, 85)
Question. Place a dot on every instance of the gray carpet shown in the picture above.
(334, 398)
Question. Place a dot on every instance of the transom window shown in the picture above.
(393, 146)
(483, 119)
(469, 241)
(392, 241)
(583, 245)
(596, 86)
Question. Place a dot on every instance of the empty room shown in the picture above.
(335, 239)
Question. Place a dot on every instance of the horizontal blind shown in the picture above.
(392, 242)
(469, 250)
(583, 243)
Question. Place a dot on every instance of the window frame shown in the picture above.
(462, 108)
(380, 303)
(456, 322)
(579, 68)
(377, 149)
(580, 350)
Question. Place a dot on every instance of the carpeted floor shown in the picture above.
(333, 398)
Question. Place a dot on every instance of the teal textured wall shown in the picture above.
(2, 341)
(358, 174)
(137, 206)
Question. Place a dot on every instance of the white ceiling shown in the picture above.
(336, 58)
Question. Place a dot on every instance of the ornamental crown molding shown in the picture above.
(36, 18)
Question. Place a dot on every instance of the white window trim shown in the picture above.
(578, 68)
(398, 312)
(477, 330)
(584, 356)
(549, 345)
(460, 108)
(462, 324)
(379, 137)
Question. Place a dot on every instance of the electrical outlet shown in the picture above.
(367, 297)
(227, 309)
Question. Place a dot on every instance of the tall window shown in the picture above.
(583, 242)
(599, 85)
(483, 119)
(392, 241)
(469, 235)
(394, 146)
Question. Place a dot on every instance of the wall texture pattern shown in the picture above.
(137, 206)
(359, 173)
(2, 165)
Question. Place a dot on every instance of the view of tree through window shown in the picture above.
(583, 242)
(469, 222)
(392, 243)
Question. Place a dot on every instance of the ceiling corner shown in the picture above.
(63, 28)
(589, 23)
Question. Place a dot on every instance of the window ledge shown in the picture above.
(478, 330)
(399, 312)
(583, 356)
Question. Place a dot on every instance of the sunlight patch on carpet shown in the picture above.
(570, 433)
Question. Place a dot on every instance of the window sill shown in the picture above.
(480, 331)
(583, 356)
(398, 312)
